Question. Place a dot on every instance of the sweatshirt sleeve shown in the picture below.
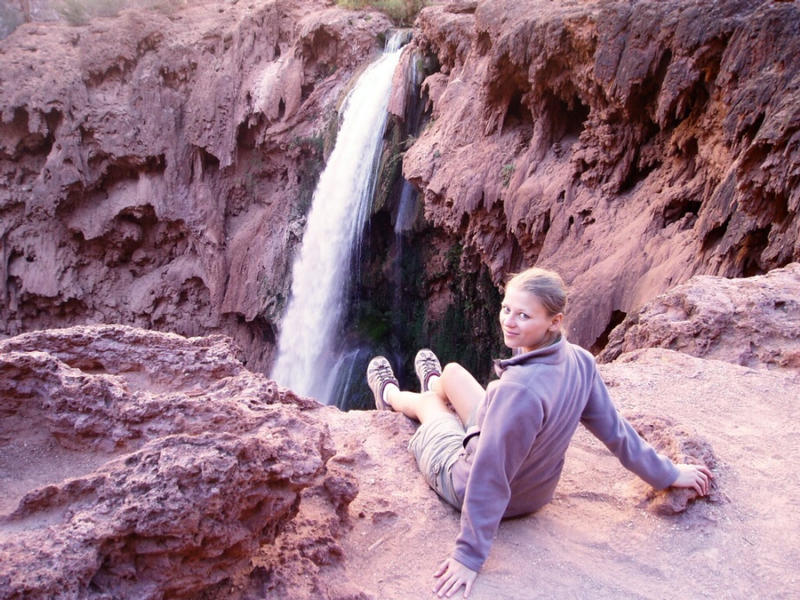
(513, 419)
(601, 418)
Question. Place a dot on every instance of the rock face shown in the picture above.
(142, 464)
(628, 145)
(753, 321)
(157, 168)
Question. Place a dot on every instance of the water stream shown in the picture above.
(309, 352)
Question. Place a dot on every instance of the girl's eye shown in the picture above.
(523, 316)
(506, 310)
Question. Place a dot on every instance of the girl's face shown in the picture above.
(525, 322)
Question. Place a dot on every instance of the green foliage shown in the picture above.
(390, 165)
(507, 172)
(374, 324)
(453, 257)
(80, 12)
(10, 19)
(401, 12)
(314, 143)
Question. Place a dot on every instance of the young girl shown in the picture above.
(501, 453)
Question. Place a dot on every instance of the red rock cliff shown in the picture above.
(155, 168)
(628, 145)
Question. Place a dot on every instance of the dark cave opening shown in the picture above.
(601, 342)
(715, 235)
(678, 208)
(749, 255)
(517, 114)
(566, 117)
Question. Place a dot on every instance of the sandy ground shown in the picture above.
(598, 539)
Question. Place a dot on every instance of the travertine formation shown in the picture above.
(157, 167)
(628, 145)
(142, 464)
(155, 170)
(753, 321)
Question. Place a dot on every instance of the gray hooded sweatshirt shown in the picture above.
(514, 454)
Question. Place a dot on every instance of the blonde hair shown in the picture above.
(546, 285)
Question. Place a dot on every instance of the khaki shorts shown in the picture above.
(437, 446)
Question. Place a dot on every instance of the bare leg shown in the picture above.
(422, 407)
(458, 387)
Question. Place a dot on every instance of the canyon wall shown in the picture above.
(156, 168)
(627, 145)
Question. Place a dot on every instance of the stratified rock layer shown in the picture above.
(157, 168)
(628, 145)
(753, 321)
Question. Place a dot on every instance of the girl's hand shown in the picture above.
(694, 476)
(452, 575)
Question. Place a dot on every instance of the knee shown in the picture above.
(452, 371)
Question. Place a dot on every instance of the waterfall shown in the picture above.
(307, 347)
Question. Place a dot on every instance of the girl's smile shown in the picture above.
(525, 322)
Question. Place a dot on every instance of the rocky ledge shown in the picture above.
(142, 464)
(752, 321)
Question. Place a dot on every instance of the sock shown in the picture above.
(385, 394)
(431, 379)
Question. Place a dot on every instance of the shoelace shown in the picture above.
(382, 372)
(428, 366)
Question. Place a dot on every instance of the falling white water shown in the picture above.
(307, 345)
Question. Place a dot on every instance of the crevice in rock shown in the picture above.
(637, 173)
(518, 115)
(678, 208)
(566, 120)
(748, 258)
(617, 317)
(715, 235)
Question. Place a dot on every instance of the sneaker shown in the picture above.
(379, 375)
(426, 365)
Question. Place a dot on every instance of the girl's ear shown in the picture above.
(555, 323)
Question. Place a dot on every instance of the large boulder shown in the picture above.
(139, 464)
(753, 321)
